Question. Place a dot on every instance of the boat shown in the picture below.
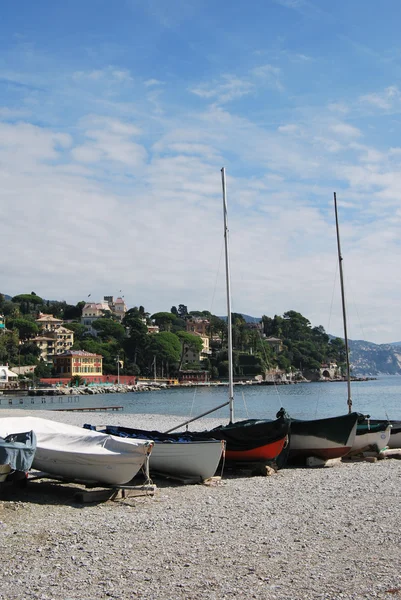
(75, 454)
(367, 436)
(371, 436)
(395, 435)
(17, 451)
(252, 440)
(332, 437)
(177, 456)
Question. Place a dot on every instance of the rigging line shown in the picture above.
(217, 276)
(193, 403)
(279, 403)
(318, 395)
(332, 297)
(245, 404)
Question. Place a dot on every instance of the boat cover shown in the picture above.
(18, 450)
(156, 436)
(72, 452)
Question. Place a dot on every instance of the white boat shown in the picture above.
(395, 436)
(371, 436)
(74, 453)
(176, 455)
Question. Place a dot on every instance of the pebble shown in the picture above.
(301, 534)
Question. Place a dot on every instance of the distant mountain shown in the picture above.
(248, 318)
(395, 344)
(372, 359)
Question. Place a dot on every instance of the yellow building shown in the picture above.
(54, 341)
(78, 362)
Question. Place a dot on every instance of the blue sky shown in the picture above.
(116, 118)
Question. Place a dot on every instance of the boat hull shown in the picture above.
(252, 440)
(322, 438)
(195, 461)
(395, 435)
(372, 435)
(73, 453)
(176, 455)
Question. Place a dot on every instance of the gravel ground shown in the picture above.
(325, 533)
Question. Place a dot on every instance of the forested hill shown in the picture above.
(372, 359)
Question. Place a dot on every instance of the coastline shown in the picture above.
(300, 534)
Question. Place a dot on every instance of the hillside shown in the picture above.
(372, 359)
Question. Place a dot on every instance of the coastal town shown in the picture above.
(98, 343)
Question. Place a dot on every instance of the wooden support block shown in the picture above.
(391, 453)
(134, 492)
(85, 496)
(265, 470)
(216, 480)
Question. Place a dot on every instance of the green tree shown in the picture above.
(80, 331)
(73, 312)
(109, 330)
(28, 302)
(190, 341)
(26, 329)
(136, 342)
(182, 311)
(9, 345)
(166, 348)
(164, 320)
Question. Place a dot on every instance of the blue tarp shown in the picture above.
(18, 450)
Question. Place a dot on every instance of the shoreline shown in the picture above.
(152, 387)
(323, 533)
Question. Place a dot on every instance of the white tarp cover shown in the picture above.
(76, 453)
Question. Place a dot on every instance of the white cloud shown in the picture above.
(110, 140)
(130, 198)
(345, 130)
(339, 107)
(230, 88)
(384, 100)
(108, 74)
(152, 82)
(269, 74)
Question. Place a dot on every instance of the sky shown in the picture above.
(117, 117)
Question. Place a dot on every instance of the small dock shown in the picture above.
(90, 409)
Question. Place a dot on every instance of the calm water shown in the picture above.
(379, 398)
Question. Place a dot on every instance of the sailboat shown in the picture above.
(333, 437)
(368, 435)
(196, 454)
(252, 440)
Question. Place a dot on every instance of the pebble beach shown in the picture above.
(302, 533)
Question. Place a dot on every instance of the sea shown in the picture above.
(380, 398)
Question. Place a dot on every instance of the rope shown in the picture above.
(223, 462)
(245, 404)
(193, 404)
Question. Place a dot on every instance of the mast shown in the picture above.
(340, 260)
(228, 287)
